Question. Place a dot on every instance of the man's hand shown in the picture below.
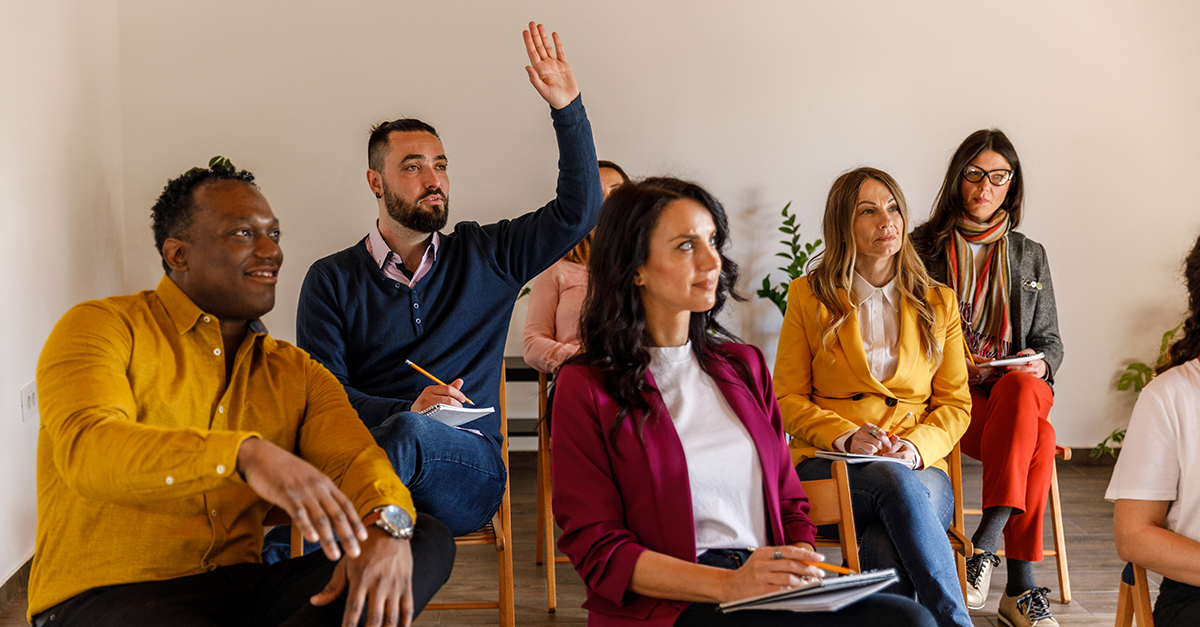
(445, 394)
(548, 69)
(317, 507)
(380, 581)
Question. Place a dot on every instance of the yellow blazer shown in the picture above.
(823, 393)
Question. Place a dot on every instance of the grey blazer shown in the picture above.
(1031, 296)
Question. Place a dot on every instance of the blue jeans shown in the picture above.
(901, 516)
(869, 612)
(454, 475)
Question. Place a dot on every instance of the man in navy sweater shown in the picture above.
(443, 301)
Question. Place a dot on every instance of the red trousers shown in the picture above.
(1011, 435)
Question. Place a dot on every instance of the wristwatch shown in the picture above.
(392, 519)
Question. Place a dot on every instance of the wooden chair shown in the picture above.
(830, 501)
(1059, 552)
(499, 533)
(1134, 598)
(958, 539)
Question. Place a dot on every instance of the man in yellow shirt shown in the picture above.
(172, 423)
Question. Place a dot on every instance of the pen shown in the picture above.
(435, 379)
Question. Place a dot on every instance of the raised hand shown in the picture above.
(548, 70)
(380, 581)
(317, 507)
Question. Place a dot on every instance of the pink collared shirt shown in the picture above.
(391, 263)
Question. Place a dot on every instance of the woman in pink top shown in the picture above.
(552, 319)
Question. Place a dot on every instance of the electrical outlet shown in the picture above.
(29, 407)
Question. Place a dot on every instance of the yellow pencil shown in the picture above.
(829, 567)
(435, 379)
(969, 355)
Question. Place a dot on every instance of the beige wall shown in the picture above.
(763, 102)
(60, 197)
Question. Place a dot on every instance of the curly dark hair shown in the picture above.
(1187, 343)
(175, 209)
(612, 326)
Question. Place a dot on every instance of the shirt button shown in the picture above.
(418, 321)
(170, 480)
(207, 319)
(396, 284)
(216, 351)
(221, 409)
(416, 305)
(214, 513)
(220, 469)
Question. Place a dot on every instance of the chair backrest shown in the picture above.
(829, 501)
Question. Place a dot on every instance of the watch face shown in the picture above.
(397, 521)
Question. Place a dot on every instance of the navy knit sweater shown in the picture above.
(362, 325)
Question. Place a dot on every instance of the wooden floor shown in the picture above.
(1095, 568)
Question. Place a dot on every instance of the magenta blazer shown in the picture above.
(612, 503)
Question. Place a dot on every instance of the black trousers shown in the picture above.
(248, 594)
(1178, 604)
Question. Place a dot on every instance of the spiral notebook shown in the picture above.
(452, 416)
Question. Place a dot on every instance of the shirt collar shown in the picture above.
(861, 290)
(183, 312)
(380, 251)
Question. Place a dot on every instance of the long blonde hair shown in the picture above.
(833, 269)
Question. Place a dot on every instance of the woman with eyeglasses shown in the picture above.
(1006, 298)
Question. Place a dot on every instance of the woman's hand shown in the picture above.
(978, 374)
(906, 451)
(764, 573)
(870, 440)
(1036, 367)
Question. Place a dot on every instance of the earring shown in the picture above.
(379, 195)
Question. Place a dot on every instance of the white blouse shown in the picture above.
(724, 473)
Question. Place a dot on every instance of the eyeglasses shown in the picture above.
(997, 177)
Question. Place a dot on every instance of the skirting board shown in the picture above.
(17, 585)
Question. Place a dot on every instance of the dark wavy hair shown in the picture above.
(175, 209)
(612, 325)
(1187, 344)
(949, 206)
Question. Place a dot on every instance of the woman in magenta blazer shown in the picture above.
(668, 455)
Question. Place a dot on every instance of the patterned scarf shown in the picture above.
(983, 299)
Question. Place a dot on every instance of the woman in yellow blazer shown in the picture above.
(860, 369)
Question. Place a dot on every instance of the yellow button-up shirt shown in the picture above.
(137, 450)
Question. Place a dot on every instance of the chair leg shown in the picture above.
(545, 539)
(1060, 540)
(1124, 606)
(538, 557)
(505, 559)
(1141, 598)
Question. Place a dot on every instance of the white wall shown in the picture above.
(764, 102)
(60, 198)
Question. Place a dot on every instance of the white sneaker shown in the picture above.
(979, 577)
(1030, 609)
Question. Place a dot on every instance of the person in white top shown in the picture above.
(1156, 484)
(668, 452)
(556, 297)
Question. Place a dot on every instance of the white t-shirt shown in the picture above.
(1160, 457)
(724, 473)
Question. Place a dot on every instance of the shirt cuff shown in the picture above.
(840, 443)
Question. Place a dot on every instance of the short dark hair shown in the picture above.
(175, 209)
(614, 167)
(377, 145)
